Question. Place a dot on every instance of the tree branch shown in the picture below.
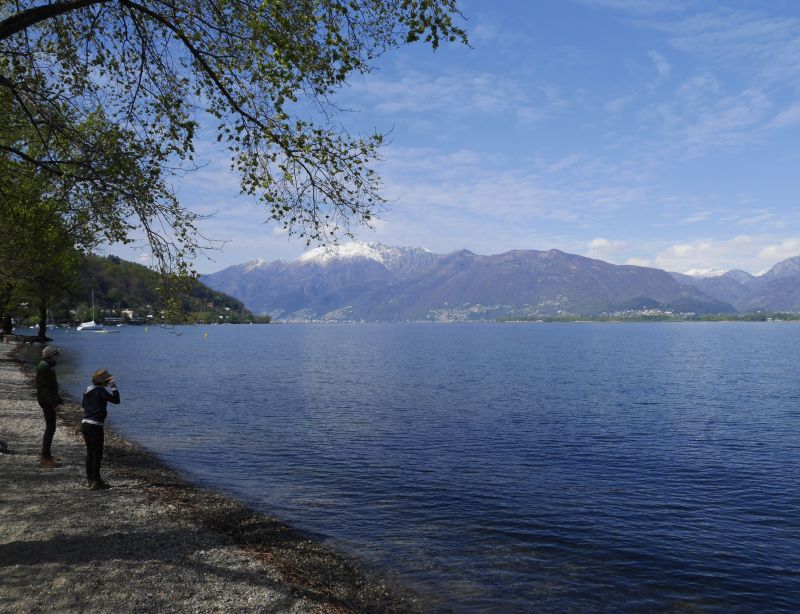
(30, 17)
(198, 56)
(39, 163)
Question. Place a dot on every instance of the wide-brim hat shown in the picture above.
(49, 351)
(101, 376)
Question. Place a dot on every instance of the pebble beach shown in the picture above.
(153, 542)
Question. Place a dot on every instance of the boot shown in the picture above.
(49, 463)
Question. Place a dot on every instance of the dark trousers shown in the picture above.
(49, 429)
(93, 436)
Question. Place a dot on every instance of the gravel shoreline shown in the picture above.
(152, 542)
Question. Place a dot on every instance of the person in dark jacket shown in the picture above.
(47, 395)
(95, 402)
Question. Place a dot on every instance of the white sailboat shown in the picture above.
(91, 325)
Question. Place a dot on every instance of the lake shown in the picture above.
(493, 468)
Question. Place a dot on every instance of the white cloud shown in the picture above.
(604, 249)
(660, 62)
(742, 240)
(787, 248)
(605, 244)
(747, 252)
(599, 243)
(681, 250)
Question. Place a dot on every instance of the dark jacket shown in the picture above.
(47, 384)
(95, 401)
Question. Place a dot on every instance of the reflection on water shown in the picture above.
(494, 467)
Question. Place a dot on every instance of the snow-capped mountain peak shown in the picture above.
(401, 261)
(258, 263)
(712, 272)
(346, 251)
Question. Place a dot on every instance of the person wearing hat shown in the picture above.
(49, 400)
(95, 401)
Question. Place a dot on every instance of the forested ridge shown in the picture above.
(130, 291)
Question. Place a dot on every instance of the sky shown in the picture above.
(658, 133)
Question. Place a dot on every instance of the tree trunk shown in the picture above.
(43, 320)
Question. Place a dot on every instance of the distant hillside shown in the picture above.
(730, 287)
(119, 285)
(373, 282)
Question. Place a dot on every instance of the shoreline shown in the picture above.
(153, 541)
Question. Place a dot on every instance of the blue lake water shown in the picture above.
(494, 468)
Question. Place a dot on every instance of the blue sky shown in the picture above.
(654, 132)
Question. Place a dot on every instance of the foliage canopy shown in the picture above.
(111, 92)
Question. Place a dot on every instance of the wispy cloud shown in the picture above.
(756, 219)
(639, 7)
(700, 216)
(663, 68)
(458, 95)
(700, 117)
(746, 74)
(618, 104)
(491, 187)
(747, 42)
(484, 31)
(786, 118)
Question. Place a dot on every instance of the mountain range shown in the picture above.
(776, 290)
(374, 282)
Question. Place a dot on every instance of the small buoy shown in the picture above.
(205, 334)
